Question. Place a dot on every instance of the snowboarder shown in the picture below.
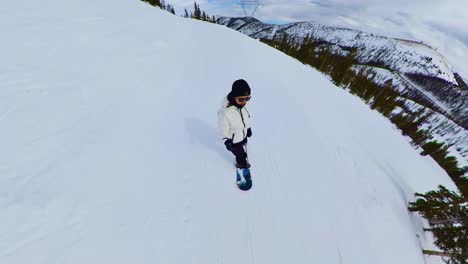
(234, 122)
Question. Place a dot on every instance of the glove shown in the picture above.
(228, 144)
(249, 132)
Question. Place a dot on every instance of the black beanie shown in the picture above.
(240, 88)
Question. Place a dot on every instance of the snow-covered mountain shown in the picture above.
(400, 55)
(110, 153)
(421, 75)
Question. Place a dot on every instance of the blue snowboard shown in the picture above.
(244, 179)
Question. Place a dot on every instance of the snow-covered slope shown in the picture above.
(110, 152)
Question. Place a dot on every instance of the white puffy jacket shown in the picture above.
(233, 122)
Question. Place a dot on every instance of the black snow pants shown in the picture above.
(239, 151)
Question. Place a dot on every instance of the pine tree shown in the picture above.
(186, 14)
(306, 50)
(324, 60)
(197, 11)
(462, 182)
(154, 2)
(453, 239)
(283, 46)
(432, 147)
(447, 212)
(171, 9)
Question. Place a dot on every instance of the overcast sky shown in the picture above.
(441, 24)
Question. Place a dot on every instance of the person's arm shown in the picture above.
(223, 125)
(249, 130)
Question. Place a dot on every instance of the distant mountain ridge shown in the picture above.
(396, 54)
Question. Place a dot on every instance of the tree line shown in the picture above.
(196, 13)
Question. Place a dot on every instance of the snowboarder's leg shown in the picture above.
(241, 156)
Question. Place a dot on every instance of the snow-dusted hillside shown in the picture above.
(110, 152)
(397, 54)
(442, 128)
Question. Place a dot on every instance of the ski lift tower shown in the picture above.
(249, 6)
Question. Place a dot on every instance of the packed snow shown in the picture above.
(110, 151)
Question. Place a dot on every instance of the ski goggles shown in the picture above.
(243, 99)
